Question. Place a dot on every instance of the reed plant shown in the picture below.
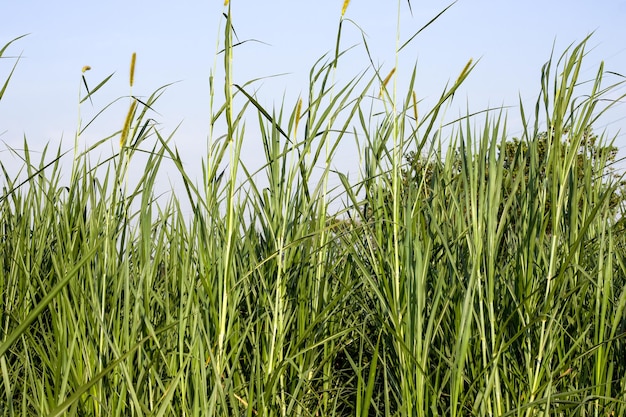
(481, 284)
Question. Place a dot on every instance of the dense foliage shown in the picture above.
(486, 278)
(594, 162)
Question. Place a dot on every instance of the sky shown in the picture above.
(176, 42)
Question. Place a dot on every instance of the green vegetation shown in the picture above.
(483, 278)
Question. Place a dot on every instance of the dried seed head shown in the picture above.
(386, 81)
(126, 128)
(298, 110)
(132, 68)
(345, 6)
(86, 68)
(464, 72)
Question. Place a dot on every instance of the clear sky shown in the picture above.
(177, 42)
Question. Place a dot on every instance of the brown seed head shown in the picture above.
(464, 72)
(126, 128)
(345, 6)
(298, 110)
(132, 68)
(386, 81)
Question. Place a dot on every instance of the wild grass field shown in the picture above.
(472, 275)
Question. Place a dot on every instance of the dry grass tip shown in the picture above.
(386, 81)
(464, 72)
(132, 68)
(344, 7)
(129, 118)
(298, 111)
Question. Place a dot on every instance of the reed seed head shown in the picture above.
(464, 72)
(86, 68)
(386, 81)
(298, 110)
(129, 118)
(345, 6)
(132, 68)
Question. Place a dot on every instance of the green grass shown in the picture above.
(479, 287)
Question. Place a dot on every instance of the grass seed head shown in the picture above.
(345, 6)
(298, 110)
(132, 68)
(386, 81)
(129, 118)
(464, 72)
(86, 68)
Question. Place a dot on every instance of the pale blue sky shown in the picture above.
(176, 41)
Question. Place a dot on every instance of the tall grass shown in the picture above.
(474, 286)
